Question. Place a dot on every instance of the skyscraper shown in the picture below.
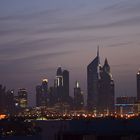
(93, 76)
(106, 90)
(78, 97)
(62, 85)
(45, 92)
(59, 84)
(22, 96)
(138, 86)
(45, 86)
(100, 86)
(65, 84)
(42, 97)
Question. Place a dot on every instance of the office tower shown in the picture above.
(62, 84)
(65, 84)
(45, 91)
(93, 76)
(22, 96)
(78, 97)
(138, 86)
(106, 90)
(59, 84)
(59, 77)
(100, 86)
(45, 86)
(42, 97)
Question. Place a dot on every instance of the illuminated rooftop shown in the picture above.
(45, 80)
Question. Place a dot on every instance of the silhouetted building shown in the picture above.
(59, 84)
(65, 84)
(22, 97)
(106, 95)
(45, 86)
(93, 76)
(61, 88)
(62, 85)
(138, 86)
(42, 95)
(45, 91)
(78, 97)
(100, 86)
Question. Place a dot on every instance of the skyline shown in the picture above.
(37, 37)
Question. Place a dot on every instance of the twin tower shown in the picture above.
(100, 87)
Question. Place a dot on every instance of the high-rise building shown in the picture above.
(45, 86)
(62, 85)
(42, 95)
(22, 96)
(93, 76)
(59, 84)
(138, 86)
(45, 91)
(100, 86)
(106, 96)
(65, 84)
(78, 97)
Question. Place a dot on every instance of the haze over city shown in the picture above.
(38, 36)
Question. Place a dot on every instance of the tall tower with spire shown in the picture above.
(100, 87)
(93, 76)
(106, 90)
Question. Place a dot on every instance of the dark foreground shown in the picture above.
(76, 129)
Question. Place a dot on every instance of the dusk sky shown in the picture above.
(37, 36)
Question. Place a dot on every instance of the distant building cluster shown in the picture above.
(58, 95)
(100, 93)
(9, 103)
